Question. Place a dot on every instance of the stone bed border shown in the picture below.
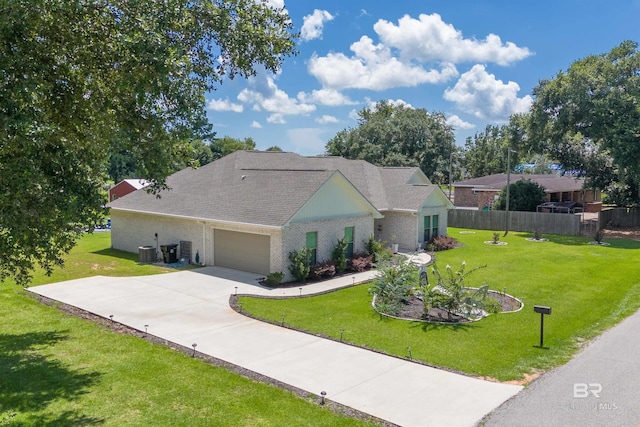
(373, 305)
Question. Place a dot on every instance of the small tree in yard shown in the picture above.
(299, 266)
(450, 294)
(339, 256)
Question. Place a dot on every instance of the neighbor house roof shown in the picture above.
(552, 183)
(137, 183)
(268, 188)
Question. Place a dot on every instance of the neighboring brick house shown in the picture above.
(481, 192)
(125, 187)
(250, 209)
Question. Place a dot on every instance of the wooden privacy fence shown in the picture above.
(552, 223)
(620, 218)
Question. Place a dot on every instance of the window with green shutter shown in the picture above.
(312, 245)
(348, 238)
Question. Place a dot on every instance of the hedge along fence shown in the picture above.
(552, 223)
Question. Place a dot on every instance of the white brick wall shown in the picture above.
(131, 230)
(402, 225)
(329, 231)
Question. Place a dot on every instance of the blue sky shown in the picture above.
(475, 61)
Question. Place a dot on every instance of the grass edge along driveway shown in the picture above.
(590, 288)
(58, 369)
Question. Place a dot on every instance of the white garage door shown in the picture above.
(241, 251)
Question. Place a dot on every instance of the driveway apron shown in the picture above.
(190, 307)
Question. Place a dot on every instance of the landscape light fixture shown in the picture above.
(409, 350)
(300, 291)
(341, 332)
(145, 328)
(111, 317)
(236, 290)
(194, 345)
(323, 394)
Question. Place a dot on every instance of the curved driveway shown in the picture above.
(189, 307)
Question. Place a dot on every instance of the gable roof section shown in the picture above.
(218, 191)
(551, 182)
(269, 188)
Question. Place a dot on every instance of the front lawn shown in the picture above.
(590, 288)
(60, 370)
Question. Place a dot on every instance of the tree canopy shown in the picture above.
(524, 195)
(395, 135)
(588, 118)
(78, 75)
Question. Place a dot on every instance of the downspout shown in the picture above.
(204, 243)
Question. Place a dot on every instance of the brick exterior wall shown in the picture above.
(131, 230)
(401, 225)
(294, 237)
(464, 197)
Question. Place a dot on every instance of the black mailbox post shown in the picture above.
(542, 310)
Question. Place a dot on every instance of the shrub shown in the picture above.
(361, 262)
(394, 286)
(275, 278)
(450, 294)
(537, 234)
(375, 248)
(299, 266)
(323, 270)
(339, 256)
(599, 236)
(496, 237)
(442, 243)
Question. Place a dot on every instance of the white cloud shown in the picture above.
(224, 105)
(276, 119)
(481, 94)
(327, 119)
(307, 141)
(457, 123)
(256, 124)
(396, 103)
(325, 97)
(429, 38)
(353, 114)
(263, 93)
(313, 24)
(373, 67)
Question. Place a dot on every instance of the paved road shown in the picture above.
(192, 307)
(599, 387)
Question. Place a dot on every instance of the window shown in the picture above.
(348, 238)
(430, 227)
(312, 245)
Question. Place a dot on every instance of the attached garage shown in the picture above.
(241, 251)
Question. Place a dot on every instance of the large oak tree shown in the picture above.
(395, 135)
(76, 75)
(588, 118)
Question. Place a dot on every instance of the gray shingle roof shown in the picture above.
(551, 182)
(268, 188)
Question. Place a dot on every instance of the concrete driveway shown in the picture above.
(192, 307)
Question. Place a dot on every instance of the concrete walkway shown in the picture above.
(189, 307)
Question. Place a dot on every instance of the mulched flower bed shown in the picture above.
(414, 310)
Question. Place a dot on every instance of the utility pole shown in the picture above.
(450, 171)
(506, 223)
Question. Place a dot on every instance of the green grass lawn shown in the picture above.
(590, 288)
(59, 370)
